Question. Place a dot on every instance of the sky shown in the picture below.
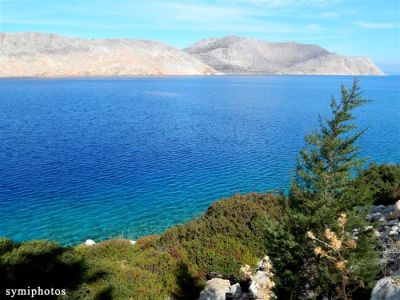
(351, 27)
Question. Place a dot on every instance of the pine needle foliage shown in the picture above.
(326, 165)
(322, 189)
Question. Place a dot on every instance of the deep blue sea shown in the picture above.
(125, 157)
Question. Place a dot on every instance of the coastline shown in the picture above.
(194, 76)
(202, 256)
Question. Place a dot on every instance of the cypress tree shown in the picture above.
(321, 190)
(327, 164)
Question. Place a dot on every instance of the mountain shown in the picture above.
(241, 55)
(41, 54)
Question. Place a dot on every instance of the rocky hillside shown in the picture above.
(41, 54)
(240, 55)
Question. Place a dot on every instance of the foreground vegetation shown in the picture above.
(313, 236)
(233, 232)
(229, 235)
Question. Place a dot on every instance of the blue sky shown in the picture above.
(352, 27)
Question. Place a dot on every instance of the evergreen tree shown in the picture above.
(322, 190)
(326, 166)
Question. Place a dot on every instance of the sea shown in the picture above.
(124, 157)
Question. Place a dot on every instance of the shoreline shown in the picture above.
(194, 75)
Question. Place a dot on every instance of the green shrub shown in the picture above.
(226, 237)
(229, 235)
(39, 263)
(382, 181)
(129, 272)
(175, 263)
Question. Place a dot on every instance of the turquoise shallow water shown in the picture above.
(105, 157)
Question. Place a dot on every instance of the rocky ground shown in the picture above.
(387, 229)
(385, 222)
(258, 284)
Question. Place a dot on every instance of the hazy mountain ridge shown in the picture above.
(42, 54)
(233, 55)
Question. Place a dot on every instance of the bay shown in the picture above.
(130, 156)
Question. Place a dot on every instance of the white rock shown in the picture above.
(397, 206)
(387, 288)
(215, 289)
(258, 280)
(392, 232)
(90, 242)
(132, 242)
(260, 264)
(396, 210)
(395, 228)
(235, 289)
(377, 233)
(261, 277)
(254, 288)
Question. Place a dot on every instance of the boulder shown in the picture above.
(264, 264)
(396, 210)
(259, 280)
(261, 277)
(235, 293)
(89, 242)
(387, 288)
(235, 289)
(376, 233)
(215, 289)
(261, 284)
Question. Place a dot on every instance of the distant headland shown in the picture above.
(44, 54)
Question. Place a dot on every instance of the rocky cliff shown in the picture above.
(40, 54)
(240, 55)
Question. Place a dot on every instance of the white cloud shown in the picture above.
(196, 16)
(370, 25)
(230, 19)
